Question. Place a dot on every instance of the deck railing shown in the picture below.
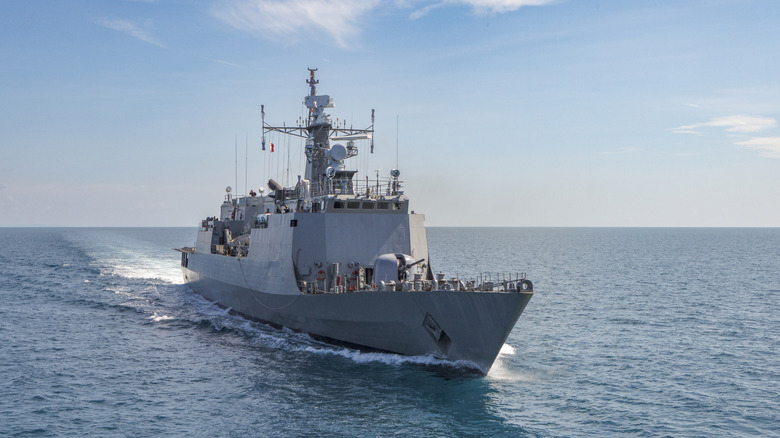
(372, 189)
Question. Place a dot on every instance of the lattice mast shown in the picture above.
(319, 131)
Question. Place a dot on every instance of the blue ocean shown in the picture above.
(631, 332)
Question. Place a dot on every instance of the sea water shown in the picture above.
(646, 332)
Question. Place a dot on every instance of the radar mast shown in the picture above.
(318, 132)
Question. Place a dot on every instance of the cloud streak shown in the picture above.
(737, 123)
(740, 124)
(293, 20)
(500, 6)
(342, 20)
(223, 62)
(770, 146)
(622, 151)
(481, 6)
(130, 28)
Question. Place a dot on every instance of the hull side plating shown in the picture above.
(457, 326)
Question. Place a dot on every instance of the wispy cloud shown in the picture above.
(425, 9)
(222, 61)
(769, 145)
(737, 123)
(130, 28)
(622, 151)
(741, 124)
(482, 6)
(500, 6)
(343, 20)
(296, 19)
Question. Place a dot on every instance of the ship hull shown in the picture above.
(453, 325)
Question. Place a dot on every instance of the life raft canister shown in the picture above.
(352, 281)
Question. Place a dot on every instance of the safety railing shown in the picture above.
(376, 189)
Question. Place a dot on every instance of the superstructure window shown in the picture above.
(338, 204)
(352, 205)
(368, 206)
(382, 206)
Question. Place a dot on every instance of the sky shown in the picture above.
(497, 112)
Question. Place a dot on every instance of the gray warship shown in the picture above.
(344, 260)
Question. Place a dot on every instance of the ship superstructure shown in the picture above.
(344, 259)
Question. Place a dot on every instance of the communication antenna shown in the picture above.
(312, 82)
(246, 165)
(372, 127)
(396, 141)
(236, 161)
(262, 125)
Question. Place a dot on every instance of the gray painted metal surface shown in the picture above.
(347, 263)
(475, 324)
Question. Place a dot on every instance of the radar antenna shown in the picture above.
(312, 82)
(318, 130)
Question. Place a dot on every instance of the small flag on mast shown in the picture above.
(272, 147)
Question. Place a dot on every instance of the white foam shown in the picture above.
(499, 372)
(160, 318)
(507, 350)
(124, 256)
(220, 318)
(145, 268)
(505, 371)
(392, 359)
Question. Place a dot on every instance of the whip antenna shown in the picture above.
(246, 161)
(262, 124)
(236, 161)
(372, 130)
(396, 141)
